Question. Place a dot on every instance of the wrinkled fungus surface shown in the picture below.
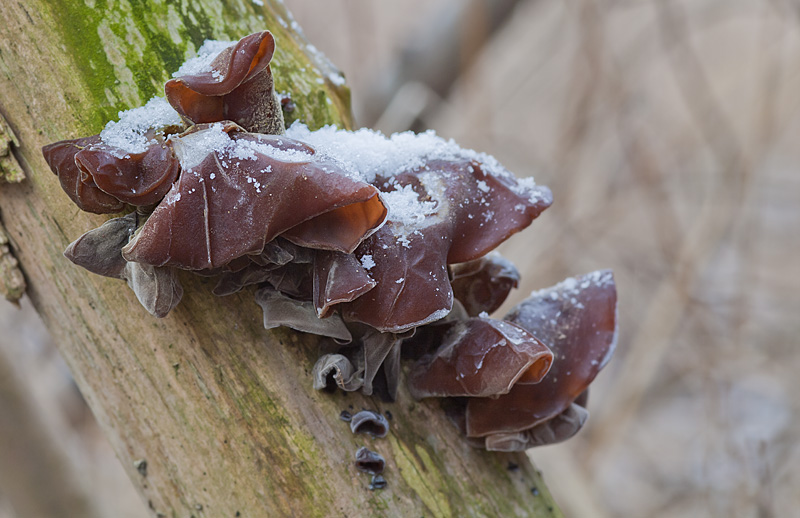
(382, 245)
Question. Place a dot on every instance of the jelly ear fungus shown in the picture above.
(236, 86)
(381, 245)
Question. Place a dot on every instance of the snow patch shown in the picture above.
(367, 262)
(129, 134)
(206, 54)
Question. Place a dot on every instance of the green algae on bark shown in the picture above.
(124, 51)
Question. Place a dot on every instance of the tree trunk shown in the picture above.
(210, 414)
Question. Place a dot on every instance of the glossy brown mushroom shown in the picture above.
(237, 86)
(482, 285)
(412, 286)
(238, 191)
(139, 179)
(576, 319)
(465, 213)
(480, 358)
(100, 250)
(555, 430)
(79, 185)
(338, 278)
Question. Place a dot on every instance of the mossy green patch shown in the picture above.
(124, 51)
(417, 469)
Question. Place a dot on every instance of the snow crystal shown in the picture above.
(129, 133)
(205, 56)
(367, 262)
(404, 207)
(337, 79)
(193, 148)
(526, 187)
(515, 334)
(265, 148)
(173, 196)
(571, 286)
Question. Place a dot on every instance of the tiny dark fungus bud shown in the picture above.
(369, 461)
(346, 416)
(377, 482)
(369, 422)
(287, 104)
(141, 466)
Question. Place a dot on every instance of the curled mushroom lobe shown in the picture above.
(576, 321)
(229, 82)
(384, 246)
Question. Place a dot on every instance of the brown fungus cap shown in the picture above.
(350, 235)
(236, 86)
(482, 285)
(238, 191)
(79, 185)
(139, 179)
(576, 319)
(338, 278)
(555, 430)
(100, 250)
(470, 213)
(479, 357)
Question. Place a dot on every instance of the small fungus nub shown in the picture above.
(369, 422)
(369, 461)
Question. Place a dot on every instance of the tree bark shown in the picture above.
(210, 414)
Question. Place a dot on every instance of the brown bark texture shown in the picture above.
(210, 414)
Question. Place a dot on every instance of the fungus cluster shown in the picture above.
(381, 245)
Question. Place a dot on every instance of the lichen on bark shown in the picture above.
(12, 282)
(10, 170)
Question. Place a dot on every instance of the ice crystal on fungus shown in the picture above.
(382, 244)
